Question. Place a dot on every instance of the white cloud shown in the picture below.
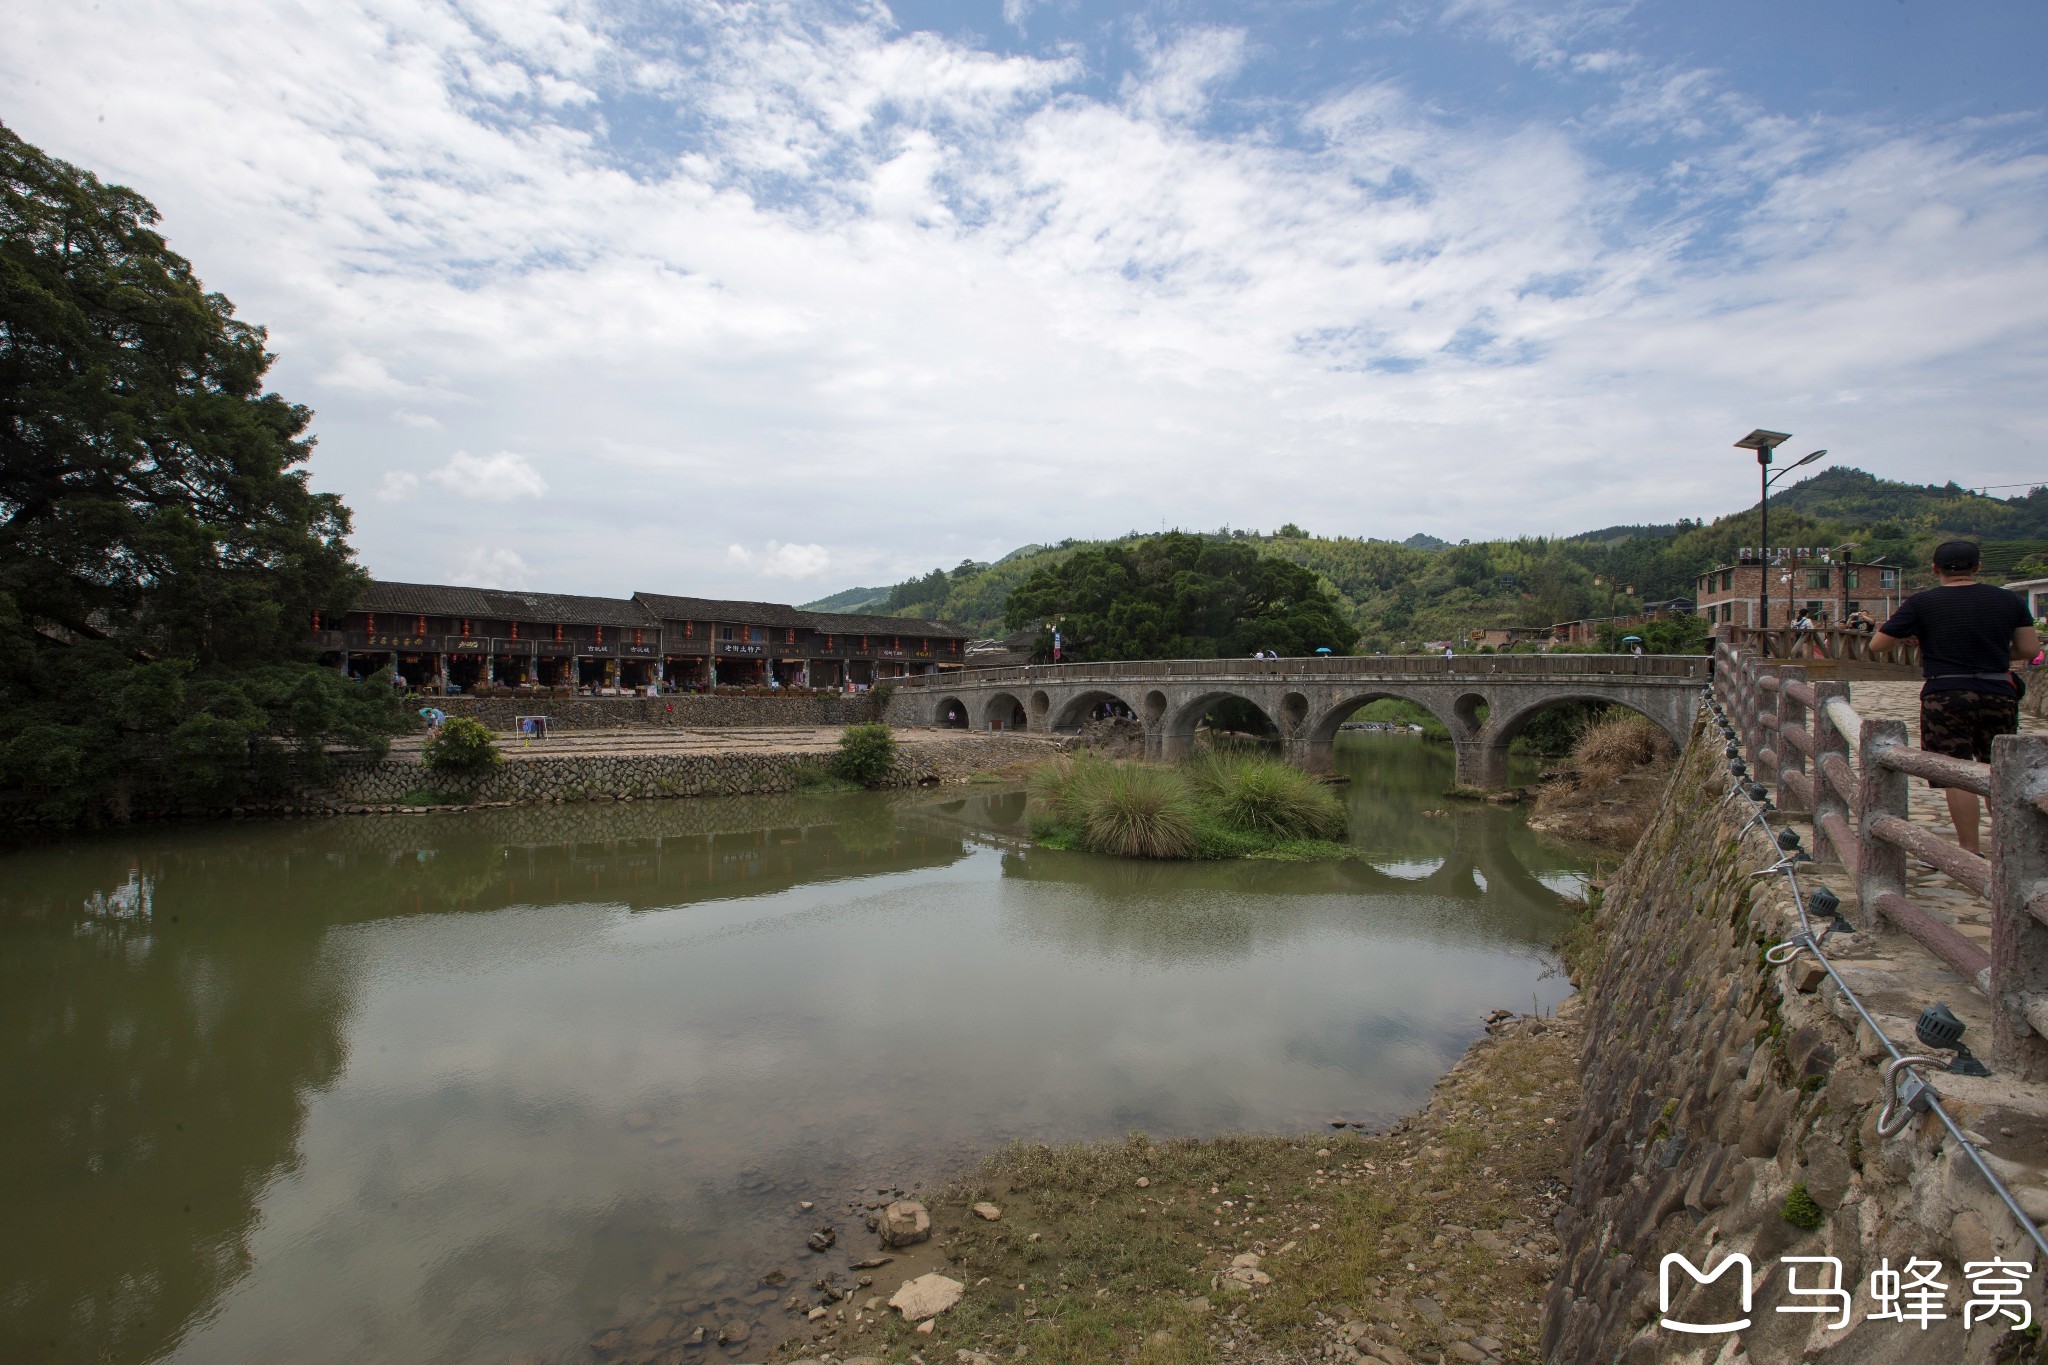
(490, 566)
(398, 485)
(490, 478)
(924, 301)
(781, 561)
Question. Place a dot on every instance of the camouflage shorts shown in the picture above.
(1963, 724)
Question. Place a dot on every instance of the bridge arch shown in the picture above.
(1077, 709)
(951, 713)
(1509, 719)
(1004, 711)
(1325, 728)
(1177, 730)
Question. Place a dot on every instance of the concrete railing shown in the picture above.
(1335, 669)
(1825, 642)
(1799, 735)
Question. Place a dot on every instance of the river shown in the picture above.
(475, 1087)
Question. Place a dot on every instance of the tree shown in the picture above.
(161, 553)
(1181, 596)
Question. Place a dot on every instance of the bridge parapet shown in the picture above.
(1483, 700)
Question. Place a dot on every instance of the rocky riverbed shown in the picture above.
(1429, 1242)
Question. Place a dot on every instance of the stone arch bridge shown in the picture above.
(1484, 700)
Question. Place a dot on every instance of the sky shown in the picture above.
(768, 298)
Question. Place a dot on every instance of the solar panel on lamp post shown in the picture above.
(1763, 443)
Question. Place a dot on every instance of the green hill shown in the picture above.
(1400, 594)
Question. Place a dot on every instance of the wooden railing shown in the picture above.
(1798, 735)
(1661, 668)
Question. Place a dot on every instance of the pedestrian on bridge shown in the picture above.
(1969, 634)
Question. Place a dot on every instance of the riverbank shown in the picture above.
(1429, 1242)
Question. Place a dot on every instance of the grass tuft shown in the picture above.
(1224, 804)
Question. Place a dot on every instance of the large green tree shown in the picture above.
(161, 552)
(1179, 596)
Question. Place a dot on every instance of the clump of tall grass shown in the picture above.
(1617, 744)
(1223, 804)
(1260, 795)
(1138, 811)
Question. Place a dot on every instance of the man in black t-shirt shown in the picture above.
(1969, 634)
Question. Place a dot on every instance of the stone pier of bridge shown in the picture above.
(1483, 700)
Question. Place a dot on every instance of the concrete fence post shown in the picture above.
(2019, 905)
(1791, 712)
(1827, 802)
(1880, 866)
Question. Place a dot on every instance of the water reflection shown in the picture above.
(454, 1088)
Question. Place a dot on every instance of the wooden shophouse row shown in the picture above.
(439, 638)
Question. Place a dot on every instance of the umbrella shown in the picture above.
(1631, 639)
(1324, 649)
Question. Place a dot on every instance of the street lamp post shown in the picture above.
(1763, 443)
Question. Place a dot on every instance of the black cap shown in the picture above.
(1957, 556)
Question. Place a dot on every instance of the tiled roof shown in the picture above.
(843, 623)
(642, 609)
(434, 599)
(714, 609)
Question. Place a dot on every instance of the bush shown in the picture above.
(462, 746)
(1801, 1210)
(866, 754)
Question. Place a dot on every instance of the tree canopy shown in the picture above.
(1178, 596)
(161, 551)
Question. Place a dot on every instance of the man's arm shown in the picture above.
(2026, 642)
(1882, 643)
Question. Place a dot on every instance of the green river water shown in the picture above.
(475, 1087)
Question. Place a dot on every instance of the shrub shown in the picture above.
(1801, 1210)
(461, 745)
(1615, 745)
(1139, 811)
(866, 754)
(1258, 795)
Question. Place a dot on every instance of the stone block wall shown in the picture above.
(1716, 1086)
(631, 776)
(708, 709)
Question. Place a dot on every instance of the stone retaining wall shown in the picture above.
(629, 776)
(1716, 1087)
(716, 710)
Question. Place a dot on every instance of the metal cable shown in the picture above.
(1895, 1103)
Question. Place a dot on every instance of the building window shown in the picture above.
(1727, 580)
(1817, 576)
(1850, 577)
(1888, 578)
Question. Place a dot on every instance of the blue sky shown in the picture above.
(763, 299)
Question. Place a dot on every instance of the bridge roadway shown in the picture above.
(1484, 700)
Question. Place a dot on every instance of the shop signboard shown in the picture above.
(468, 644)
(554, 649)
(734, 647)
(521, 649)
(609, 647)
(640, 651)
(422, 643)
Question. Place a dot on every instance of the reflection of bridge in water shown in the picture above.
(1483, 700)
(1476, 859)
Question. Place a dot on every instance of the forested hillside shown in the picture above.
(1399, 594)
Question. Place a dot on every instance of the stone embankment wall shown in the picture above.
(633, 776)
(710, 709)
(1715, 1086)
